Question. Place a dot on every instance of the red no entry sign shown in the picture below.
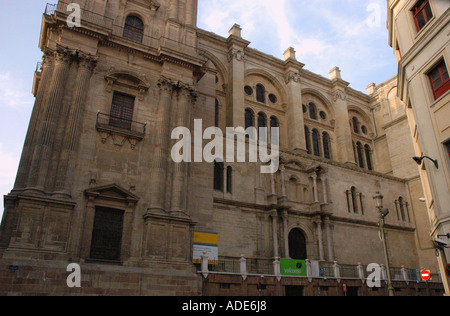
(426, 275)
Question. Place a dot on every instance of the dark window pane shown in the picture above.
(312, 111)
(260, 94)
(122, 109)
(316, 142)
(249, 119)
(107, 234)
(218, 176)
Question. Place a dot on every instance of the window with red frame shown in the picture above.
(422, 13)
(439, 80)
(447, 146)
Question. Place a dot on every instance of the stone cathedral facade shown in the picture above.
(97, 186)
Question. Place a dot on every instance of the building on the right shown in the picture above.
(419, 33)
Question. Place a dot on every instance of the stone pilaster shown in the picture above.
(318, 223)
(66, 167)
(186, 98)
(52, 108)
(343, 132)
(286, 233)
(327, 223)
(236, 59)
(161, 147)
(294, 111)
(274, 215)
(30, 140)
(191, 12)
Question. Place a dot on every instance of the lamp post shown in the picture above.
(379, 204)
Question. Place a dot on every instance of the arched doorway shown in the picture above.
(297, 245)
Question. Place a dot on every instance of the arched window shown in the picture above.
(308, 140)
(354, 200)
(134, 29)
(218, 176)
(274, 122)
(316, 142)
(260, 93)
(262, 123)
(355, 123)
(326, 146)
(216, 114)
(249, 118)
(229, 179)
(297, 245)
(312, 111)
(360, 152)
(368, 151)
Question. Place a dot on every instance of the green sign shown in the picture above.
(291, 267)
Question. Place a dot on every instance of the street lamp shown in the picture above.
(419, 160)
(379, 204)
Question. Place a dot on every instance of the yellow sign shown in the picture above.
(208, 243)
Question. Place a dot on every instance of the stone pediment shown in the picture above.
(112, 192)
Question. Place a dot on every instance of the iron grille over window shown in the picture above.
(122, 109)
(134, 29)
(107, 234)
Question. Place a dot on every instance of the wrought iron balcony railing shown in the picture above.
(111, 123)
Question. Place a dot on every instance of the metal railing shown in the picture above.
(327, 270)
(110, 122)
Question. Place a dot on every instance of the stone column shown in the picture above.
(174, 9)
(191, 12)
(295, 121)
(343, 132)
(33, 129)
(178, 205)
(274, 216)
(236, 59)
(43, 151)
(318, 223)
(327, 222)
(71, 140)
(283, 181)
(316, 195)
(286, 233)
(324, 188)
(161, 147)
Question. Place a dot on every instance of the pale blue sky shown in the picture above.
(350, 34)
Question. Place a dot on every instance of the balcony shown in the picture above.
(109, 125)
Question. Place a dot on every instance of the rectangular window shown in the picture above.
(439, 80)
(422, 13)
(122, 109)
(107, 234)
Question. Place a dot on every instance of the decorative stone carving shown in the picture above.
(292, 76)
(236, 54)
(340, 95)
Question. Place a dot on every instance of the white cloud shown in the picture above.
(12, 92)
(8, 170)
(325, 33)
